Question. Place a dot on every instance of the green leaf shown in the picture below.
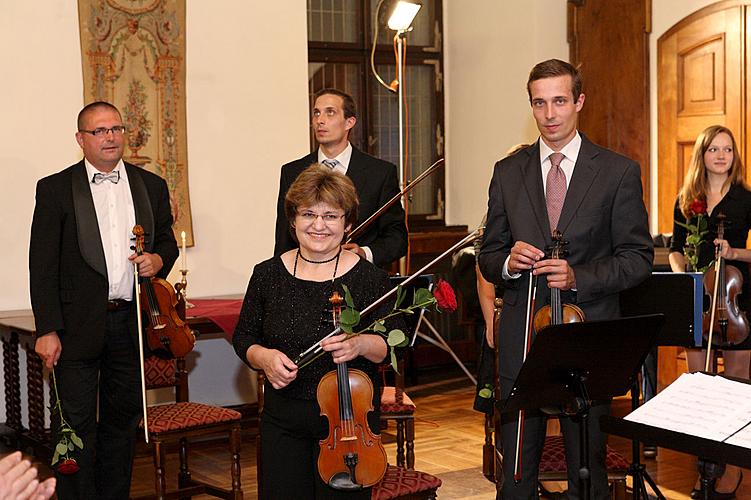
(422, 296)
(485, 393)
(61, 448)
(396, 338)
(71, 446)
(55, 458)
(76, 440)
(394, 362)
(400, 294)
(379, 327)
(348, 297)
(348, 319)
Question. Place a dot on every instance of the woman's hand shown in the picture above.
(280, 371)
(726, 251)
(341, 348)
(371, 347)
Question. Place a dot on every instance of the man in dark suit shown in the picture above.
(82, 286)
(376, 181)
(594, 197)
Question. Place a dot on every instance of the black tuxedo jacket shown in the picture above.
(376, 182)
(603, 219)
(68, 272)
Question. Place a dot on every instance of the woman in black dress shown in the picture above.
(715, 176)
(285, 312)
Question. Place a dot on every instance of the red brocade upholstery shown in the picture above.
(553, 465)
(184, 416)
(554, 457)
(402, 483)
(159, 372)
(398, 406)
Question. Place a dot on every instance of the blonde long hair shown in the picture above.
(695, 183)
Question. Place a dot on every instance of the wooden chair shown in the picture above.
(181, 421)
(553, 460)
(396, 405)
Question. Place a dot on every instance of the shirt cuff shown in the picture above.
(368, 254)
(506, 274)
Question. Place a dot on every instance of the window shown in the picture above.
(340, 35)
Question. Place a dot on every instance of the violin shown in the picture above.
(724, 283)
(167, 334)
(557, 313)
(351, 457)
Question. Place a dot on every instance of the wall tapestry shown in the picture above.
(134, 57)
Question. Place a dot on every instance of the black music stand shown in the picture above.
(572, 364)
(679, 297)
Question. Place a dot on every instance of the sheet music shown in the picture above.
(706, 406)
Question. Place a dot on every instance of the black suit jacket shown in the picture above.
(68, 273)
(376, 182)
(603, 219)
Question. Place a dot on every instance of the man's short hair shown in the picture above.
(89, 108)
(348, 104)
(552, 68)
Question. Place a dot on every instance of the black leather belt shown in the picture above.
(118, 304)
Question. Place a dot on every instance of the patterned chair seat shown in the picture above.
(390, 404)
(183, 416)
(553, 465)
(404, 484)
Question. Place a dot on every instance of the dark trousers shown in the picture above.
(290, 432)
(113, 378)
(535, 425)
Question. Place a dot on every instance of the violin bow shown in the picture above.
(409, 187)
(313, 351)
(717, 264)
(528, 325)
(140, 353)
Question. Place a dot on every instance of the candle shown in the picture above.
(184, 265)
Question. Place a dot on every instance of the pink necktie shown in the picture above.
(555, 190)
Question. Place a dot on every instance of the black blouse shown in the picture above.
(287, 313)
(736, 205)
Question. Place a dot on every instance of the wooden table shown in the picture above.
(17, 331)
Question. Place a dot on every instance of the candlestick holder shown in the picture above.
(184, 287)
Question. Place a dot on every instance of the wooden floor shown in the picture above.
(449, 438)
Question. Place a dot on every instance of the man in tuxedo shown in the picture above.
(82, 286)
(376, 181)
(593, 196)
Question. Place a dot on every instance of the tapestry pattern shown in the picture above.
(134, 57)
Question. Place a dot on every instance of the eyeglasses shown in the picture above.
(102, 131)
(328, 218)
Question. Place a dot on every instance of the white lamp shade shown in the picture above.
(403, 15)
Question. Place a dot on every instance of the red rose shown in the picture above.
(445, 296)
(698, 207)
(68, 466)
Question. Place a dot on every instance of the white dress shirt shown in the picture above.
(342, 167)
(116, 216)
(570, 155)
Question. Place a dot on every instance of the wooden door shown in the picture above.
(701, 78)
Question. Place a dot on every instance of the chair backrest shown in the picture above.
(161, 373)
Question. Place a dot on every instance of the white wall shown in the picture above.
(665, 13)
(490, 47)
(247, 115)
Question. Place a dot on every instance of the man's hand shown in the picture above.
(354, 247)
(48, 348)
(148, 263)
(523, 256)
(558, 272)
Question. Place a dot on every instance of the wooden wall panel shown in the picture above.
(614, 61)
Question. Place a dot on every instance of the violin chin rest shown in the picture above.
(342, 481)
